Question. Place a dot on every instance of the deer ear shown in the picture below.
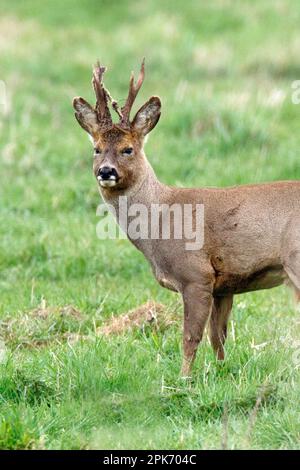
(86, 115)
(147, 116)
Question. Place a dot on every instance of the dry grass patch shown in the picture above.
(44, 312)
(150, 313)
(41, 326)
(45, 324)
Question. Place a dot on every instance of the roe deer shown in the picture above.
(251, 232)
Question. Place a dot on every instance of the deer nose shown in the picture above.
(107, 173)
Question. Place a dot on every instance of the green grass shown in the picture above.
(218, 67)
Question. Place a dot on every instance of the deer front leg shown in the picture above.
(198, 301)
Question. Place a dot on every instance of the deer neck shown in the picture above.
(148, 190)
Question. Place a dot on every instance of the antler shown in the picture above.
(134, 88)
(102, 97)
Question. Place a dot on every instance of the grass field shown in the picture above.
(224, 71)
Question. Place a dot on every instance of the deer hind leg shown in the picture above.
(291, 252)
(292, 269)
(221, 310)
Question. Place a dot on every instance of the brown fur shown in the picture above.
(252, 234)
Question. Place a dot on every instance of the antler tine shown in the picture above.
(102, 96)
(133, 91)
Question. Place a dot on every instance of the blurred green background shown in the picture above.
(224, 71)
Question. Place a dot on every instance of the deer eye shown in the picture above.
(97, 151)
(127, 151)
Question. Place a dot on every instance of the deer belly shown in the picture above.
(265, 278)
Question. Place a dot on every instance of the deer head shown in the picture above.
(119, 160)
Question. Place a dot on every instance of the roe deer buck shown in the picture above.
(251, 232)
